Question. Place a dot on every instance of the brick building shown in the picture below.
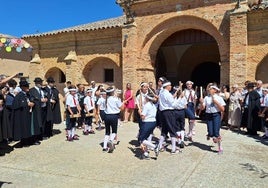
(201, 40)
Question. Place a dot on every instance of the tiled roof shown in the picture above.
(6, 36)
(104, 24)
(262, 6)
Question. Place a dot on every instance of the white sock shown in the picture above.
(112, 136)
(89, 128)
(182, 135)
(146, 154)
(73, 131)
(191, 126)
(173, 143)
(106, 138)
(179, 137)
(161, 141)
(150, 138)
(69, 133)
(148, 144)
(85, 127)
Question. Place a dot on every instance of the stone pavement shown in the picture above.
(58, 163)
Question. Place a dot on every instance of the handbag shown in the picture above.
(231, 106)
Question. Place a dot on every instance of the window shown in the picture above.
(108, 75)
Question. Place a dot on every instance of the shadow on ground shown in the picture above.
(5, 148)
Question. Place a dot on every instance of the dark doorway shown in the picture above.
(188, 55)
(208, 71)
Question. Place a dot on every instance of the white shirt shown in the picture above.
(113, 105)
(210, 106)
(93, 93)
(266, 100)
(149, 111)
(189, 98)
(141, 99)
(70, 101)
(166, 100)
(42, 94)
(101, 103)
(180, 103)
(89, 102)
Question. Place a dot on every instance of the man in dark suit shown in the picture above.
(38, 97)
(53, 107)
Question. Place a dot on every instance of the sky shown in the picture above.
(23, 17)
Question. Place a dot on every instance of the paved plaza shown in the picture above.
(58, 163)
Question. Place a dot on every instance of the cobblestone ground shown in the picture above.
(58, 163)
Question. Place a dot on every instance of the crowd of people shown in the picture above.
(28, 114)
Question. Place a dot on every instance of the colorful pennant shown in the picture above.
(18, 44)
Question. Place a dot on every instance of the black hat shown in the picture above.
(24, 83)
(250, 85)
(50, 80)
(38, 80)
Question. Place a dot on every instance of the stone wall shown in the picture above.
(257, 58)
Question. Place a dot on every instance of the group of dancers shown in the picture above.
(168, 107)
(28, 114)
(165, 107)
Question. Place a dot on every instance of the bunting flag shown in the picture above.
(16, 44)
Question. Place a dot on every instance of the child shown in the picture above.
(101, 108)
(73, 108)
(180, 105)
(148, 116)
(89, 109)
(113, 106)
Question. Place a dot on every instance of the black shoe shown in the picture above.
(156, 150)
(264, 137)
(105, 150)
(182, 144)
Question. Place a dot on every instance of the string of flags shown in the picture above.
(17, 44)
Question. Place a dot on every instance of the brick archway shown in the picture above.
(161, 32)
(155, 38)
(261, 71)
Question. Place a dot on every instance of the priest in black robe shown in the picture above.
(39, 99)
(252, 108)
(53, 107)
(21, 114)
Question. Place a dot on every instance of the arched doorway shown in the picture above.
(103, 70)
(58, 76)
(261, 72)
(189, 55)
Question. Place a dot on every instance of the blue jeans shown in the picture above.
(190, 111)
(213, 124)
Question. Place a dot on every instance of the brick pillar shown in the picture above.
(129, 56)
(238, 46)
